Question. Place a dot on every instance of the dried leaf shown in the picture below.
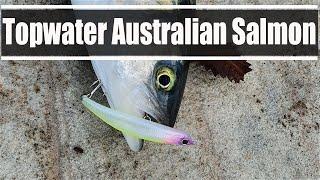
(233, 70)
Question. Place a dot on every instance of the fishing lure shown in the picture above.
(137, 127)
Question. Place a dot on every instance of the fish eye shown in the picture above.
(165, 78)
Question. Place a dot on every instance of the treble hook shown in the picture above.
(95, 89)
(94, 83)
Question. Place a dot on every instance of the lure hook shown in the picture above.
(94, 83)
(95, 89)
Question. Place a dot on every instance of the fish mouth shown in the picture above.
(148, 117)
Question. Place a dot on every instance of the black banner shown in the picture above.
(176, 32)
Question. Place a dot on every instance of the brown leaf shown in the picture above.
(233, 70)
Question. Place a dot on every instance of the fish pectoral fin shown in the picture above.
(134, 143)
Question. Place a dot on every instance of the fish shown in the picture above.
(146, 89)
(151, 90)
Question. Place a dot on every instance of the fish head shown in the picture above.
(158, 96)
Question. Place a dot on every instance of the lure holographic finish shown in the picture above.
(137, 127)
